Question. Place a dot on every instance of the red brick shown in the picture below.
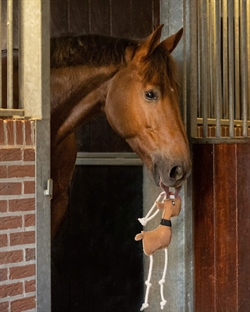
(29, 220)
(19, 132)
(3, 240)
(11, 290)
(10, 222)
(24, 204)
(8, 188)
(4, 306)
(3, 205)
(29, 187)
(30, 286)
(22, 271)
(3, 275)
(10, 132)
(24, 304)
(22, 238)
(3, 172)
(29, 154)
(29, 133)
(10, 154)
(21, 171)
(2, 132)
(30, 254)
(11, 256)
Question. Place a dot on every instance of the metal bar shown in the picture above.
(237, 58)
(194, 75)
(213, 55)
(108, 162)
(248, 54)
(214, 140)
(10, 54)
(224, 122)
(108, 159)
(35, 38)
(199, 19)
(217, 60)
(203, 64)
(215, 66)
(208, 56)
(107, 155)
(11, 112)
(231, 67)
(243, 64)
(1, 101)
(225, 58)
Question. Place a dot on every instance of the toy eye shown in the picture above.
(150, 95)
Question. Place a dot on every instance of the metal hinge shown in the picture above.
(49, 190)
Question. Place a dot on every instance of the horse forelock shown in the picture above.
(91, 50)
(160, 69)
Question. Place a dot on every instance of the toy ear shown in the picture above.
(171, 42)
(160, 205)
(139, 236)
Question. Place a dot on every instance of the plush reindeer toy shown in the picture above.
(158, 238)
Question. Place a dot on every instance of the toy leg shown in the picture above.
(145, 304)
(162, 281)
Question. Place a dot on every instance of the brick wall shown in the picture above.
(17, 216)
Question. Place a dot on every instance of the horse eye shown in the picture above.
(150, 95)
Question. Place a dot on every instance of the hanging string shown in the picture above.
(144, 221)
(162, 281)
(147, 218)
(148, 284)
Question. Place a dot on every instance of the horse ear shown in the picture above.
(171, 42)
(147, 47)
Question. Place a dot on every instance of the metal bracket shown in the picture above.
(49, 190)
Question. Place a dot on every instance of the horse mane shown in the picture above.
(160, 68)
(91, 50)
(96, 51)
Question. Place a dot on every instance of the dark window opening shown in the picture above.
(96, 264)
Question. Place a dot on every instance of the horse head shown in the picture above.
(142, 106)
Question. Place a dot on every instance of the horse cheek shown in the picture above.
(118, 114)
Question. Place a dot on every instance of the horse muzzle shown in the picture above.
(170, 173)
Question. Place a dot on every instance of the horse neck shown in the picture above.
(77, 94)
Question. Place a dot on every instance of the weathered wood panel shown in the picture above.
(221, 183)
(243, 211)
(119, 18)
(204, 227)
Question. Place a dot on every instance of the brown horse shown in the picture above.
(134, 83)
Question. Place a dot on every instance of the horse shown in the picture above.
(134, 83)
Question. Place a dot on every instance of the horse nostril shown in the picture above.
(176, 173)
